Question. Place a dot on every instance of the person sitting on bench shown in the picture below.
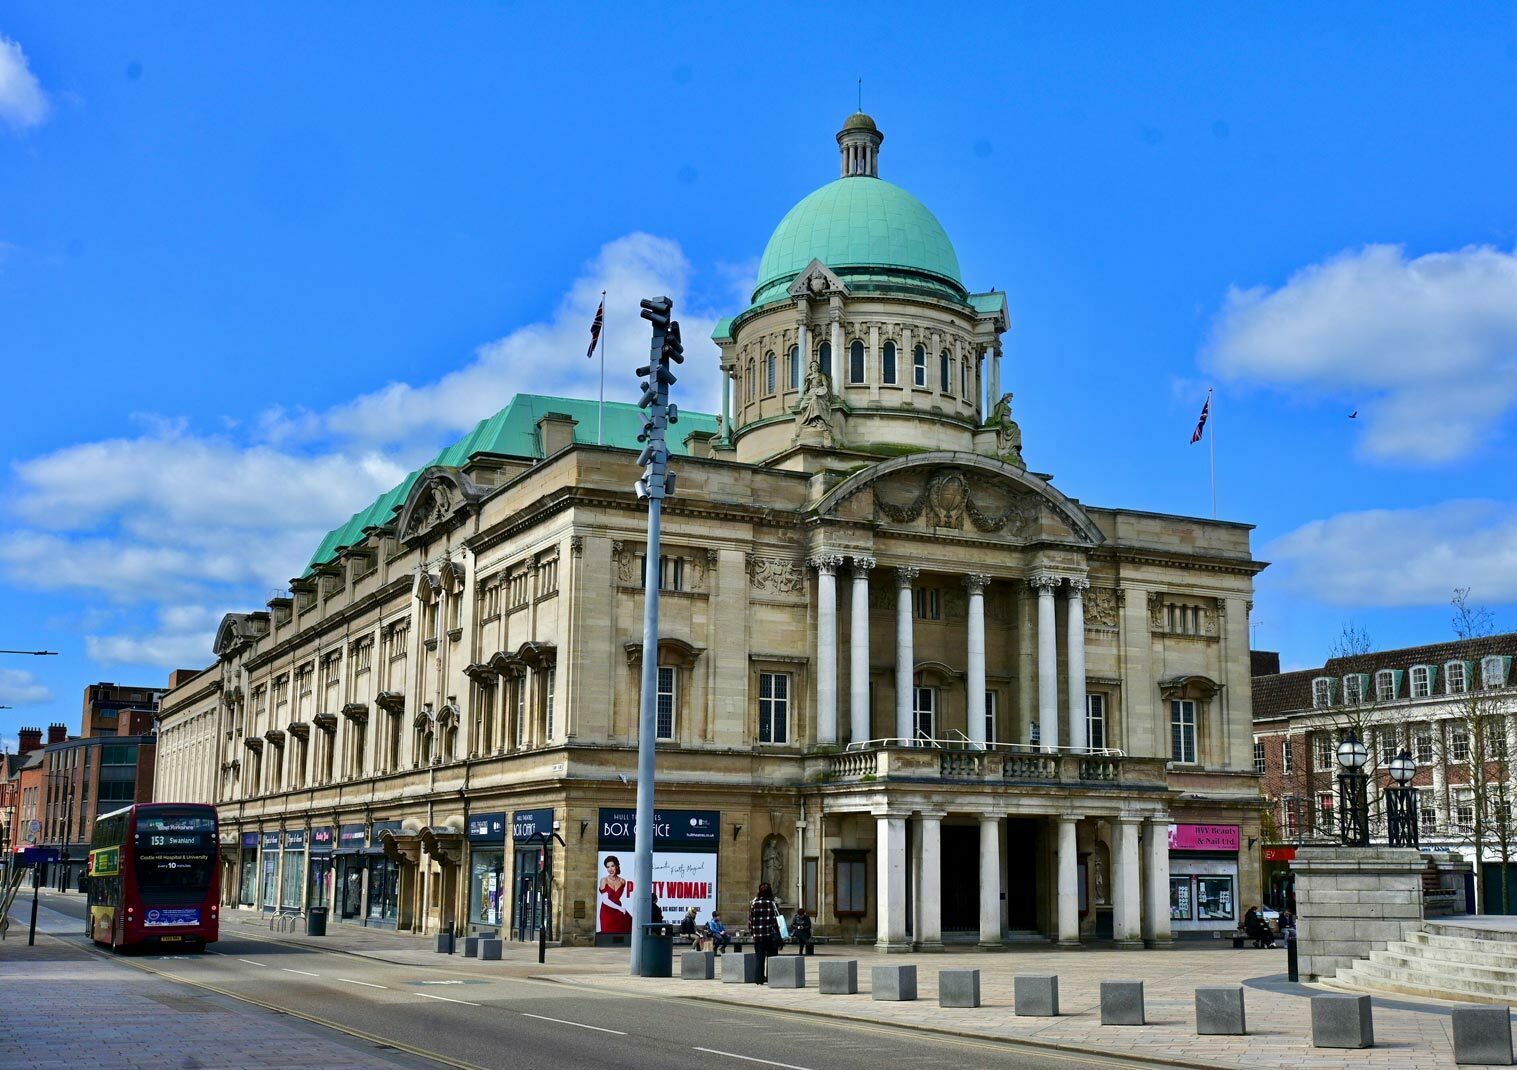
(720, 937)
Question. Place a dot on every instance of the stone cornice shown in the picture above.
(285, 644)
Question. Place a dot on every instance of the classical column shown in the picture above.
(826, 646)
(835, 314)
(1048, 662)
(890, 882)
(802, 343)
(1069, 883)
(928, 904)
(905, 659)
(990, 880)
(995, 378)
(1075, 652)
(858, 652)
(1125, 891)
(1156, 931)
(726, 402)
(976, 582)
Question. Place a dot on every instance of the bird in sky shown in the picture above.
(1354, 415)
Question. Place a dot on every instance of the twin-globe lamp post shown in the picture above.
(1353, 801)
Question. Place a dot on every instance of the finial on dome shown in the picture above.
(859, 144)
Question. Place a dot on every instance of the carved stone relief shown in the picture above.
(775, 574)
(1101, 607)
(949, 496)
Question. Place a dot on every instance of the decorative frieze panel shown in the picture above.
(775, 575)
(949, 497)
(1101, 609)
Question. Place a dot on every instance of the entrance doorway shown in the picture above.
(1024, 848)
(961, 879)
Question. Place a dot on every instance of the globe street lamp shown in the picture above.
(1353, 803)
(1401, 802)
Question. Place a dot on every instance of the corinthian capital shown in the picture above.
(1043, 581)
(826, 562)
(977, 582)
(1078, 585)
(906, 575)
(862, 562)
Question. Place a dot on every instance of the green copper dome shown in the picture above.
(858, 222)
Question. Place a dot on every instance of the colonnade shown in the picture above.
(1045, 584)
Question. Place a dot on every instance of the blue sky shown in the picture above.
(255, 264)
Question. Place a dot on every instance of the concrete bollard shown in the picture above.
(1035, 995)
(958, 988)
(1342, 1022)
(697, 966)
(739, 968)
(471, 947)
(490, 950)
(1483, 1036)
(1122, 1003)
(786, 971)
(839, 977)
(445, 943)
(894, 984)
(1219, 1011)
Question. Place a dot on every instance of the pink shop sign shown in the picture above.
(1203, 837)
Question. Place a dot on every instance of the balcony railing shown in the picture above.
(961, 760)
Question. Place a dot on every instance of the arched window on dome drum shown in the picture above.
(751, 380)
(964, 378)
(856, 362)
(919, 366)
(945, 371)
(795, 367)
(769, 373)
(887, 364)
(824, 358)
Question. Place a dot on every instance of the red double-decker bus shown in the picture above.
(154, 876)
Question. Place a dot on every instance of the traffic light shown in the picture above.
(657, 377)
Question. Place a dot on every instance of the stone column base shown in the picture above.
(893, 949)
(990, 945)
(928, 945)
(1129, 945)
(1159, 945)
(1069, 945)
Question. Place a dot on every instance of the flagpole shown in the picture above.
(1212, 441)
(600, 414)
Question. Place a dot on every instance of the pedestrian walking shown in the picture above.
(764, 927)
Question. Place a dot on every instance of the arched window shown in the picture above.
(919, 366)
(751, 380)
(795, 367)
(824, 358)
(945, 371)
(887, 364)
(856, 362)
(769, 373)
(964, 379)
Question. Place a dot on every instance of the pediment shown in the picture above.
(817, 281)
(238, 630)
(440, 498)
(947, 491)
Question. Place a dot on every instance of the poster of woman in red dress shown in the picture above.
(615, 898)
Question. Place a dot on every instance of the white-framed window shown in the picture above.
(774, 707)
(1385, 685)
(1095, 721)
(1455, 680)
(1427, 811)
(924, 712)
(1493, 670)
(856, 362)
(550, 685)
(1422, 681)
(1464, 808)
(928, 603)
(1323, 757)
(769, 373)
(1459, 744)
(1390, 746)
(1290, 816)
(1325, 801)
(992, 715)
(1422, 745)
(795, 367)
(887, 364)
(919, 366)
(1287, 757)
(1495, 748)
(1258, 755)
(1182, 730)
(1353, 688)
(519, 710)
(1322, 692)
(665, 703)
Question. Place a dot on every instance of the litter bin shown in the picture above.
(658, 950)
(316, 921)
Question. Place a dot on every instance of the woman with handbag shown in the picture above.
(764, 926)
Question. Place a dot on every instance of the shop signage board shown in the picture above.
(321, 840)
(250, 839)
(294, 839)
(1203, 837)
(692, 829)
(526, 824)
(271, 841)
(350, 838)
(1279, 854)
(684, 865)
(488, 828)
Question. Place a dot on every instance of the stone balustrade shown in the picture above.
(884, 761)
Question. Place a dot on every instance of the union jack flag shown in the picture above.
(600, 321)
(1195, 436)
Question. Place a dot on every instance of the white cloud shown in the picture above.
(182, 640)
(1402, 557)
(1424, 348)
(22, 101)
(20, 688)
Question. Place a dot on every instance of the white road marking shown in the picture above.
(302, 973)
(751, 1059)
(442, 982)
(445, 999)
(366, 984)
(250, 962)
(560, 1021)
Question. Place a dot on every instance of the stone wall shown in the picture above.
(1353, 900)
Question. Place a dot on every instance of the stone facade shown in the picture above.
(922, 689)
(1353, 901)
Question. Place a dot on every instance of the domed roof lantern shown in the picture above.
(859, 144)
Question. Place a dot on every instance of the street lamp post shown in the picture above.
(1353, 802)
(1401, 802)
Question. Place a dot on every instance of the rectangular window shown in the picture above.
(550, 683)
(1493, 672)
(1464, 808)
(519, 706)
(919, 366)
(1390, 746)
(887, 364)
(1353, 689)
(1323, 758)
(924, 710)
(1459, 745)
(1427, 812)
(850, 883)
(1455, 680)
(1290, 816)
(964, 379)
(1322, 693)
(945, 372)
(1214, 899)
(1095, 721)
(1422, 682)
(1182, 730)
(1423, 746)
(774, 707)
(1385, 685)
(1325, 812)
(808, 885)
(1286, 763)
(671, 572)
(856, 362)
(928, 603)
(1259, 756)
(1496, 747)
(992, 711)
(665, 703)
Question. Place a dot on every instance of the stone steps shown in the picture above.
(1353, 980)
(1457, 950)
(1442, 962)
(1403, 958)
(1466, 932)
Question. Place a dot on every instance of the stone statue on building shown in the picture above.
(1008, 434)
(815, 412)
(773, 868)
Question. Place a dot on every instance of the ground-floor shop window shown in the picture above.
(529, 897)
(1214, 899)
(317, 885)
(1180, 905)
(291, 879)
(248, 892)
(850, 884)
(270, 879)
(349, 887)
(486, 886)
(384, 889)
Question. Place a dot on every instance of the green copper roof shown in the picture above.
(988, 304)
(856, 222)
(722, 332)
(512, 432)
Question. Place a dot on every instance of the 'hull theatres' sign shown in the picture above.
(684, 865)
